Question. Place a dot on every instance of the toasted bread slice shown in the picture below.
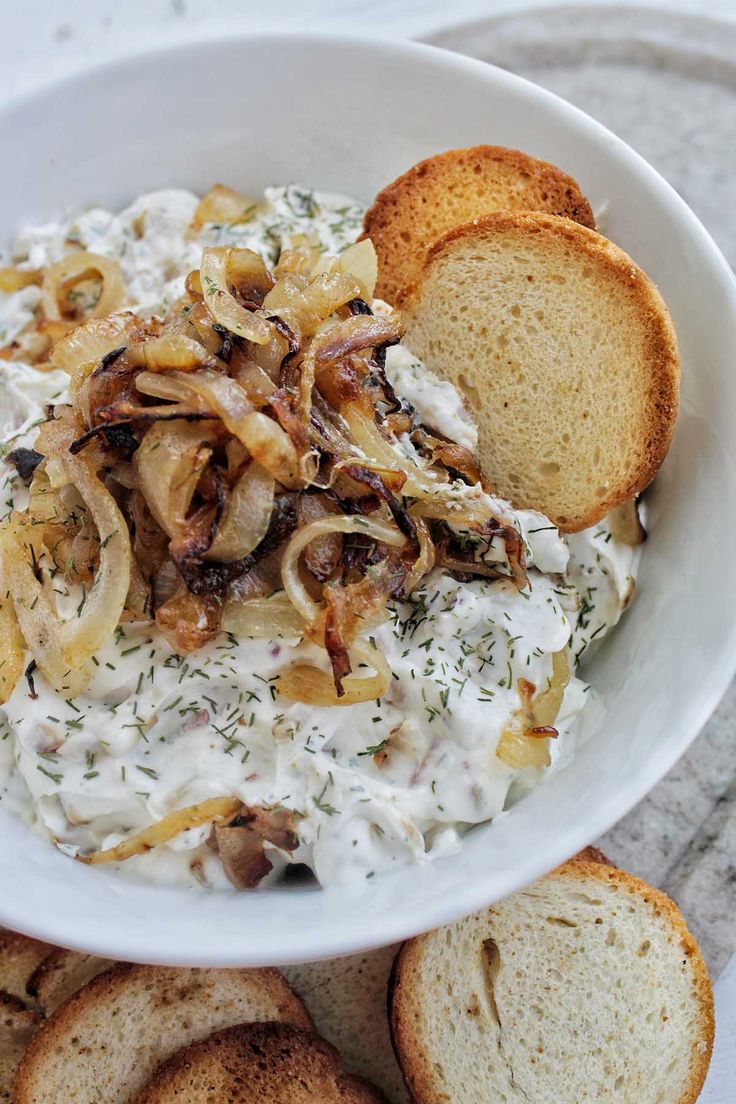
(257, 1063)
(563, 349)
(347, 1000)
(587, 986)
(455, 187)
(105, 1042)
(18, 1025)
(62, 974)
(19, 957)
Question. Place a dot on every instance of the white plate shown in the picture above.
(350, 114)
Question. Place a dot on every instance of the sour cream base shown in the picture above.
(376, 785)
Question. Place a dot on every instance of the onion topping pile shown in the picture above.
(241, 465)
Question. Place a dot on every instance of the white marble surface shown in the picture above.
(675, 101)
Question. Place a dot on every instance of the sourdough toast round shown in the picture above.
(258, 1063)
(563, 349)
(586, 985)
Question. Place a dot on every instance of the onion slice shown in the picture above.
(380, 451)
(424, 561)
(169, 351)
(84, 635)
(74, 268)
(62, 650)
(37, 617)
(15, 279)
(303, 306)
(222, 303)
(246, 518)
(547, 703)
(293, 585)
(264, 439)
(81, 350)
(222, 204)
(313, 686)
(169, 462)
(12, 645)
(215, 810)
(263, 618)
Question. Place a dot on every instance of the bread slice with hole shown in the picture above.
(587, 986)
(565, 352)
(61, 974)
(19, 957)
(258, 1063)
(18, 1025)
(106, 1041)
(455, 187)
(347, 1001)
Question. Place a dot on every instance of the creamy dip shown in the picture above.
(376, 784)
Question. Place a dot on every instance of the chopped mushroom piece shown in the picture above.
(240, 843)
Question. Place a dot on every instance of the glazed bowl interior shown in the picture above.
(348, 115)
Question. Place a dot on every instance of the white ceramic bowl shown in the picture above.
(348, 115)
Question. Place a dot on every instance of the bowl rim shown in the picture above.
(123, 943)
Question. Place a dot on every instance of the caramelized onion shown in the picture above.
(214, 810)
(339, 340)
(222, 204)
(264, 439)
(349, 610)
(169, 462)
(460, 511)
(37, 616)
(525, 737)
(264, 618)
(223, 304)
(361, 261)
(246, 517)
(547, 703)
(382, 452)
(189, 621)
(12, 644)
(293, 585)
(63, 647)
(303, 304)
(322, 556)
(14, 279)
(249, 276)
(457, 458)
(313, 686)
(71, 270)
(85, 634)
(240, 843)
(81, 350)
(169, 351)
(425, 560)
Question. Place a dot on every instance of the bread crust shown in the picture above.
(523, 182)
(661, 352)
(61, 974)
(411, 1053)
